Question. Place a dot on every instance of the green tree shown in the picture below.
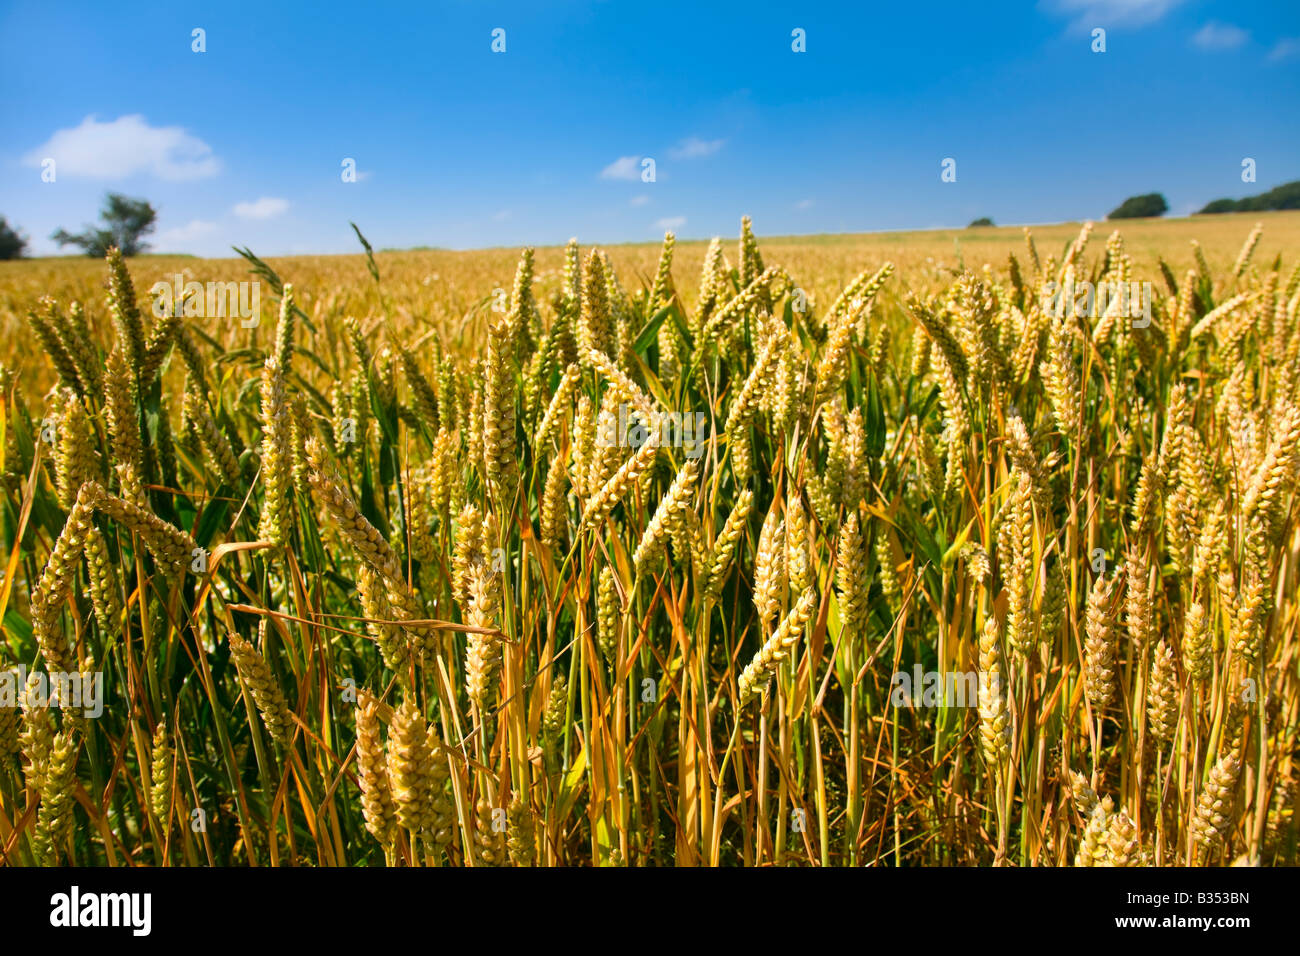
(12, 243)
(1140, 207)
(126, 222)
(1220, 205)
(1286, 196)
(981, 221)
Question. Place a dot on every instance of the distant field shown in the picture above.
(441, 289)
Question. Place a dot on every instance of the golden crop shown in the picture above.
(884, 550)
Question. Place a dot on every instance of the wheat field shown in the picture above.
(897, 550)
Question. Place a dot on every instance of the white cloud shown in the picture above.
(1219, 36)
(639, 200)
(804, 204)
(168, 239)
(501, 215)
(694, 148)
(127, 146)
(1111, 13)
(670, 222)
(264, 208)
(625, 167)
(1285, 49)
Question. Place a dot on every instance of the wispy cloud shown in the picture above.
(1285, 49)
(695, 148)
(169, 239)
(1087, 14)
(501, 215)
(639, 200)
(803, 204)
(625, 167)
(265, 208)
(1219, 36)
(670, 222)
(127, 146)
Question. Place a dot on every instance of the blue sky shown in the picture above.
(461, 147)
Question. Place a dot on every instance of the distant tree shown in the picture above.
(126, 222)
(12, 244)
(1220, 205)
(1286, 196)
(1140, 207)
(981, 221)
